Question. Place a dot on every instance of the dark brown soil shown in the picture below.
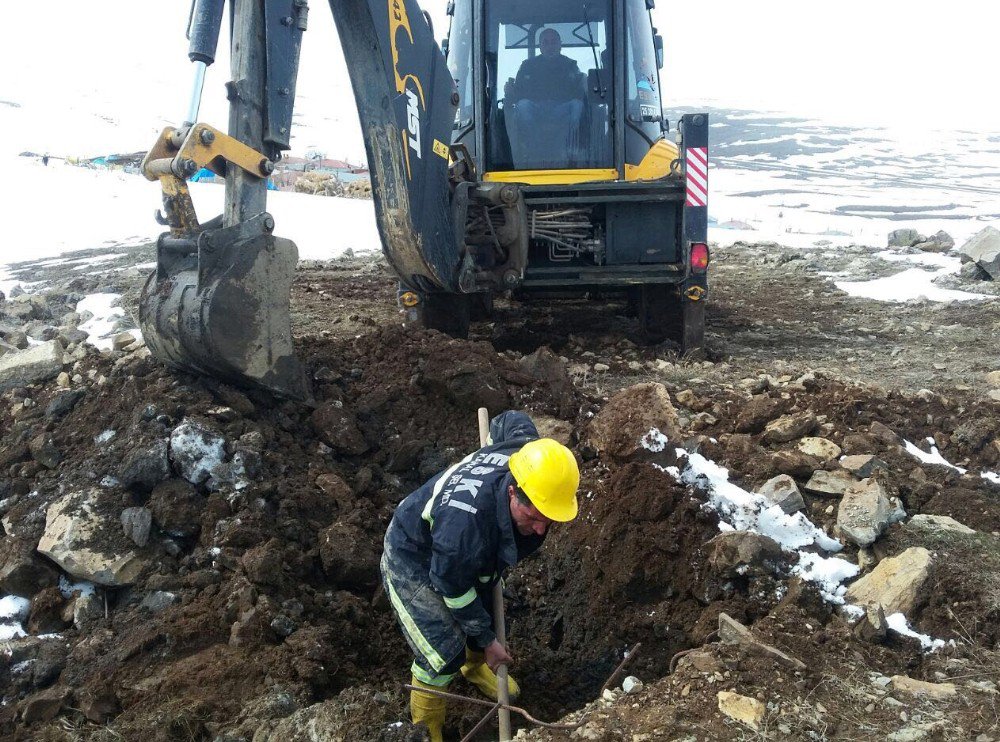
(300, 545)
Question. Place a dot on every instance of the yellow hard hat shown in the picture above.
(547, 473)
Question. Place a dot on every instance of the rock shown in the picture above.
(468, 378)
(940, 242)
(993, 378)
(87, 610)
(904, 238)
(864, 512)
(44, 451)
(730, 551)
(122, 340)
(789, 427)
(176, 508)
(895, 582)
(22, 572)
(743, 709)
(349, 557)
(46, 616)
(282, 625)
(45, 706)
(337, 428)
(137, 523)
(819, 448)
(793, 463)
(158, 601)
(732, 631)
(620, 427)
(757, 413)
(146, 467)
(99, 705)
(62, 404)
(75, 539)
(873, 627)
(937, 524)
(195, 450)
(983, 248)
(31, 366)
(404, 454)
(829, 483)
(546, 367)
(883, 433)
(863, 465)
(922, 689)
(632, 684)
(337, 490)
(783, 492)
(925, 731)
(550, 427)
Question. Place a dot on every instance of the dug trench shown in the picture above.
(256, 610)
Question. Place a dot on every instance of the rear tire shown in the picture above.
(447, 313)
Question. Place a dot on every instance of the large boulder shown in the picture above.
(904, 238)
(31, 366)
(622, 425)
(983, 248)
(864, 512)
(895, 582)
(86, 542)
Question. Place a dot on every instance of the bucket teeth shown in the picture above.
(222, 310)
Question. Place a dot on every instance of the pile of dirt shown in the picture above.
(256, 612)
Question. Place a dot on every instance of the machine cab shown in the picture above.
(559, 91)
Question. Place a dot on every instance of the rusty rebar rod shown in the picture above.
(495, 706)
(482, 722)
(621, 666)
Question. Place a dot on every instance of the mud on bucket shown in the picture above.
(218, 305)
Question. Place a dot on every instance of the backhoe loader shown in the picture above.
(526, 154)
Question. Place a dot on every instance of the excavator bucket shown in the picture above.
(220, 307)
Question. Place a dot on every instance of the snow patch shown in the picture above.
(934, 457)
(105, 437)
(991, 476)
(101, 326)
(67, 588)
(654, 441)
(740, 510)
(13, 611)
(909, 285)
(898, 623)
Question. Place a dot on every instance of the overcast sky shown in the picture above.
(873, 62)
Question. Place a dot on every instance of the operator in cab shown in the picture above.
(547, 97)
(449, 543)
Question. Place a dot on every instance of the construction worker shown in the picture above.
(449, 543)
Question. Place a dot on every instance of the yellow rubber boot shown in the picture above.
(477, 672)
(428, 709)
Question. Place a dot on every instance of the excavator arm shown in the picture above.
(218, 303)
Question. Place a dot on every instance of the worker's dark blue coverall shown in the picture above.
(447, 545)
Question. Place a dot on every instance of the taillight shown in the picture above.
(699, 257)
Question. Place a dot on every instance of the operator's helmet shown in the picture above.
(547, 472)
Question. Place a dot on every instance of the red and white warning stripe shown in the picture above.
(697, 176)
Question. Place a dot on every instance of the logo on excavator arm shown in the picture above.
(406, 83)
